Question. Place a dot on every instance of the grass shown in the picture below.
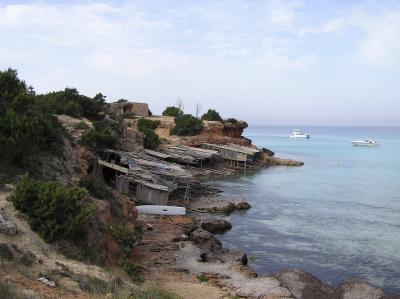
(202, 277)
(96, 285)
(9, 291)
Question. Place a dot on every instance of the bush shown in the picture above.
(211, 115)
(187, 125)
(144, 123)
(124, 236)
(128, 115)
(151, 139)
(95, 186)
(172, 111)
(202, 277)
(81, 126)
(232, 120)
(98, 138)
(130, 268)
(26, 130)
(55, 211)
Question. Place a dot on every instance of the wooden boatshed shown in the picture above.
(145, 192)
(233, 153)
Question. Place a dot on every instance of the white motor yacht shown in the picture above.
(298, 134)
(365, 142)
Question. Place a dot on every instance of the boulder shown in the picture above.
(357, 289)
(7, 227)
(216, 225)
(304, 285)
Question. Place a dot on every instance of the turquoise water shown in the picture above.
(338, 216)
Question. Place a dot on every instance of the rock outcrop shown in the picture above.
(216, 225)
(7, 227)
(220, 205)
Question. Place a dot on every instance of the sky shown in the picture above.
(267, 62)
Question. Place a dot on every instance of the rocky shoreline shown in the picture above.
(198, 252)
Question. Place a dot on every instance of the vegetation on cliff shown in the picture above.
(212, 115)
(172, 111)
(55, 211)
(187, 125)
(26, 129)
(147, 126)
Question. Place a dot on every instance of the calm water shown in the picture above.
(338, 216)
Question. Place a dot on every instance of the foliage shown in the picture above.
(95, 255)
(55, 211)
(172, 111)
(232, 120)
(187, 125)
(95, 186)
(70, 102)
(81, 126)
(128, 115)
(9, 291)
(5, 252)
(202, 277)
(96, 285)
(130, 268)
(146, 126)
(124, 236)
(211, 114)
(151, 139)
(23, 122)
(144, 123)
(98, 138)
(122, 101)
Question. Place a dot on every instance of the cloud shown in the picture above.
(380, 45)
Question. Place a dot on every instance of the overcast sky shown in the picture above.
(268, 62)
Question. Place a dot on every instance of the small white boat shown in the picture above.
(161, 210)
(298, 134)
(365, 142)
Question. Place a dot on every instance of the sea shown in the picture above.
(337, 217)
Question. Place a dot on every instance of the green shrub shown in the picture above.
(128, 115)
(81, 126)
(232, 120)
(55, 211)
(151, 139)
(5, 252)
(202, 277)
(172, 111)
(211, 114)
(98, 138)
(95, 186)
(26, 130)
(9, 291)
(124, 236)
(187, 125)
(144, 123)
(130, 268)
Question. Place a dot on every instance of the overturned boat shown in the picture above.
(161, 210)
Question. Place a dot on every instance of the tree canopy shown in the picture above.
(26, 129)
(172, 111)
(211, 114)
(187, 125)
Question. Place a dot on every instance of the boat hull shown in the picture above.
(161, 210)
(299, 136)
(365, 144)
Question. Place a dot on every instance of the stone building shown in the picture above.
(139, 109)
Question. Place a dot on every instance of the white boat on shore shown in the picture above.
(161, 210)
(298, 134)
(365, 142)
